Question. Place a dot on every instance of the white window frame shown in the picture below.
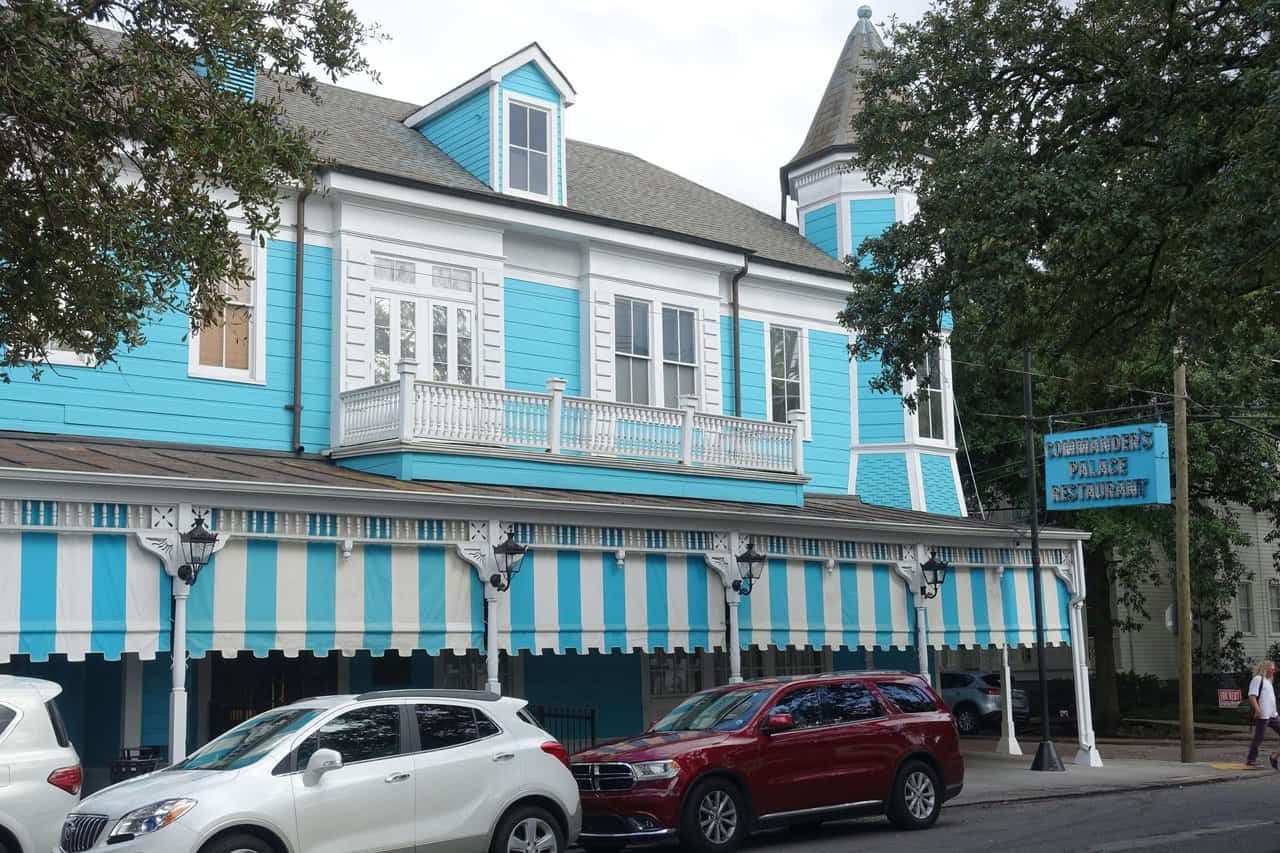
(948, 439)
(804, 373)
(424, 320)
(654, 381)
(696, 364)
(553, 158)
(942, 393)
(1244, 593)
(256, 373)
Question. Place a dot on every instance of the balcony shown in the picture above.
(411, 413)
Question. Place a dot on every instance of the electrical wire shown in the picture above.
(977, 493)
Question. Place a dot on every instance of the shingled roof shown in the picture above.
(365, 133)
(832, 122)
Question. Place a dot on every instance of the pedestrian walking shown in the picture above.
(1262, 699)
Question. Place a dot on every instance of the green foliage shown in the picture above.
(1097, 181)
(119, 165)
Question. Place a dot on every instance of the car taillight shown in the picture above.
(989, 691)
(68, 779)
(555, 748)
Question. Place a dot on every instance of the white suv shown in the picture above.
(39, 769)
(398, 770)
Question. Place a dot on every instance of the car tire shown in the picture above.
(967, 720)
(527, 823)
(715, 817)
(916, 799)
(240, 842)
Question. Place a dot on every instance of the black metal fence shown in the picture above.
(572, 726)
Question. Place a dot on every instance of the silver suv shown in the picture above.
(974, 700)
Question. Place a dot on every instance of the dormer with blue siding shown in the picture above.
(899, 458)
(506, 125)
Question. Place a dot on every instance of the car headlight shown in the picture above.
(646, 770)
(150, 818)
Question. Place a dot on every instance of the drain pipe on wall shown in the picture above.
(737, 334)
(300, 245)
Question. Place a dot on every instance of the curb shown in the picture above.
(1077, 795)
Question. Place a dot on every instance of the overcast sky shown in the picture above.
(720, 92)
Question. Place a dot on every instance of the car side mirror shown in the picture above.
(322, 761)
(779, 723)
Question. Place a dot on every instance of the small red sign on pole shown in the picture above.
(1229, 697)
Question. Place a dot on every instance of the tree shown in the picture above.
(1098, 182)
(122, 154)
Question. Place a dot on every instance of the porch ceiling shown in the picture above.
(48, 459)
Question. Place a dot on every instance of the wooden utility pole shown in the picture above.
(1182, 510)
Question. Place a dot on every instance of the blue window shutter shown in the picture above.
(240, 78)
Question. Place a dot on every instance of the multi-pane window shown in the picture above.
(929, 410)
(784, 371)
(227, 342)
(631, 350)
(1273, 595)
(674, 674)
(679, 363)
(1244, 606)
(527, 163)
(393, 269)
(451, 278)
(396, 323)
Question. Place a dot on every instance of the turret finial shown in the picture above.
(864, 12)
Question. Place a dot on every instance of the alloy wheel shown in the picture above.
(920, 795)
(967, 721)
(718, 816)
(532, 835)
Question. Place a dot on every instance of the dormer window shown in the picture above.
(529, 166)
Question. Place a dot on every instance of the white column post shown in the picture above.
(922, 634)
(491, 653)
(408, 377)
(688, 408)
(178, 694)
(1008, 743)
(1087, 754)
(732, 641)
(555, 387)
(796, 417)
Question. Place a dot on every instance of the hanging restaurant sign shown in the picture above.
(1113, 466)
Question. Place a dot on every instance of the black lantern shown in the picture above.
(750, 565)
(509, 553)
(197, 547)
(933, 573)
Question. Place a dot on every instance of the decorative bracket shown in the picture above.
(723, 560)
(909, 569)
(478, 549)
(1067, 571)
(163, 539)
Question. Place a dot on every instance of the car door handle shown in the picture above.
(396, 777)
(504, 756)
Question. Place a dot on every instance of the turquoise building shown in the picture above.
(480, 329)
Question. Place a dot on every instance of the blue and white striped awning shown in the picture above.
(260, 595)
(566, 600)
(75, 594)
(802, 603)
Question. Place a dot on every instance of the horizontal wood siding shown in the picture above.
(147, 393)
(826, 456)
(820, 229)
(462, 132)
(543, 336)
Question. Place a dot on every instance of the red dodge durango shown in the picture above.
(772, 752)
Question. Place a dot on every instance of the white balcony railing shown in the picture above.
(439, 413)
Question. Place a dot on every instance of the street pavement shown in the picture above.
(1240, 817)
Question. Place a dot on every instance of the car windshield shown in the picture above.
(721, 711)
(249, 741)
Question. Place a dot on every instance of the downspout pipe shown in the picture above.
(736, 305)
(299, 253)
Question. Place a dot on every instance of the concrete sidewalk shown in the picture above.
(991, 778)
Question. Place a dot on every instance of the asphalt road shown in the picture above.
(1229, 817)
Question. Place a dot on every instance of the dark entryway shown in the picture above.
(246, 685)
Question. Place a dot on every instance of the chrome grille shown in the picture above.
(611, 776)
(81, 831)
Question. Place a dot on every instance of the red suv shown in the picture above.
(772, 752)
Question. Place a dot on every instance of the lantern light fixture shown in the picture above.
(750, 566)
(197, 547)
(509, 554)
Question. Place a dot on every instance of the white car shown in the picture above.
(445, 771)
(39, 770)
